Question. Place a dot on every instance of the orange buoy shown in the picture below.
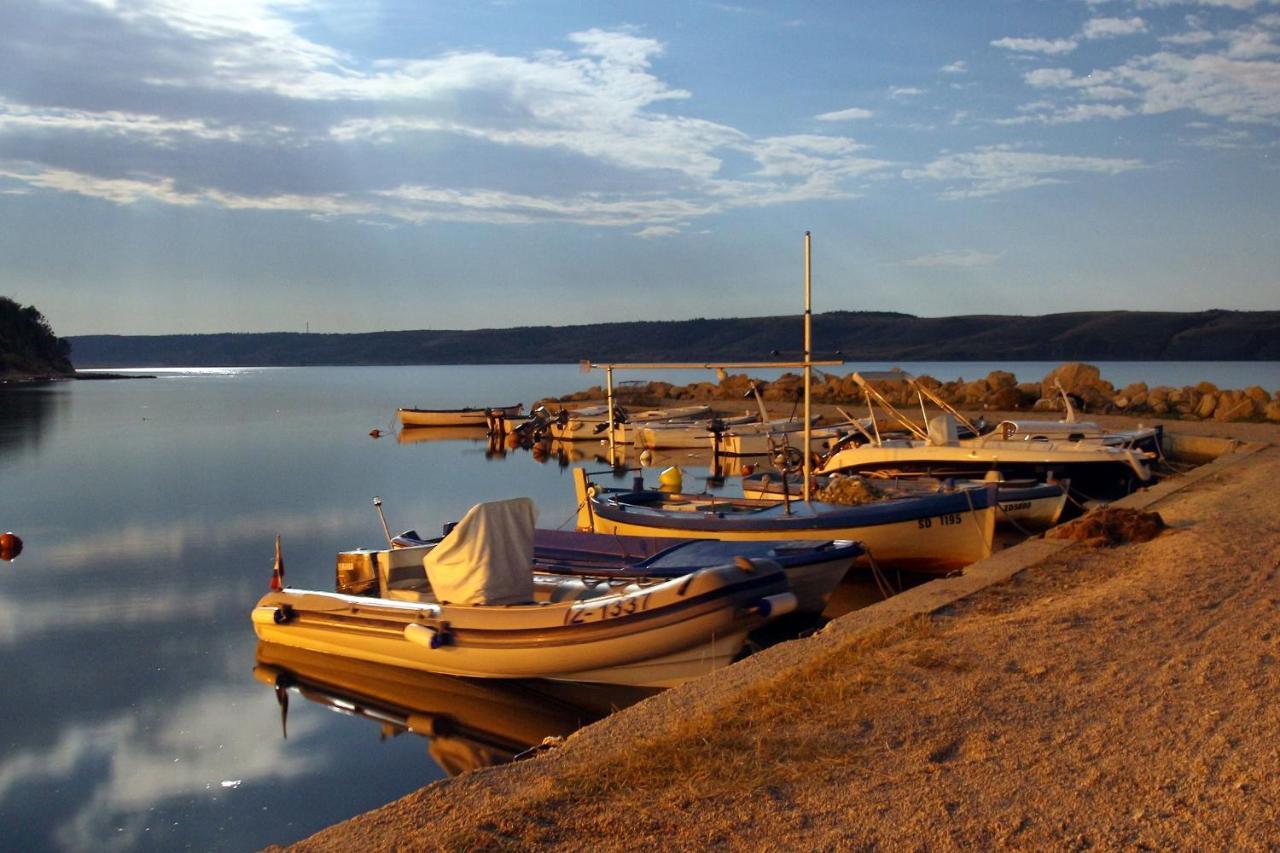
(10, 545)
(748, 470)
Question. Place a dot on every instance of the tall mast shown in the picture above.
(808, 361)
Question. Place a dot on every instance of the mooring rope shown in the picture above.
(882, 582)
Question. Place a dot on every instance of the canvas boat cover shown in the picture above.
(488, 556)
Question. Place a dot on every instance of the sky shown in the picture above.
(175, 166)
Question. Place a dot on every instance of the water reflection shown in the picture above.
(468, 723)
(27, 412)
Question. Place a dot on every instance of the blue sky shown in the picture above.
(246, 165)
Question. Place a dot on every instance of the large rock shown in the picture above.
(1207, 404)
(1258, 395)
(1074, 376)
(1001, 379)
(1272, 412)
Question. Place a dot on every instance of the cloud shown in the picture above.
(905, 91)
(1098, 28)
(957, 67)
(657, 231)
(197, 99)
(845, 115)
(1036, 45)
(997, 169)
(966, 259)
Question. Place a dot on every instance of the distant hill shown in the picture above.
(867, 336)
(28, 347)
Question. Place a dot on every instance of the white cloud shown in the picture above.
(997, 169)
(905, 91)
(957, 67)
(1097, 28)
(967, 259)
(1036, 45)
(845, 115)
(560, 114)
(657, 231)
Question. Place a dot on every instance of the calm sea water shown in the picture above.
(132, 715)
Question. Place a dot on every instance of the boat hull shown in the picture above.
(656, 636)
(936, 536)
(475, 417)
(1033, 507)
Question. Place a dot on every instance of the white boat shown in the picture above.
(469, 416)
(686, 435)
(592, 422)
(473, 607)
(1096, 466)
(763, 442)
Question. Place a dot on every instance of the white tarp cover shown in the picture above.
(488, 557)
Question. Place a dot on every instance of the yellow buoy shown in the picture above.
(672, 479)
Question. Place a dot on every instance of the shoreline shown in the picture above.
(1053, 694)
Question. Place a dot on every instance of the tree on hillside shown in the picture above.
(28, 345)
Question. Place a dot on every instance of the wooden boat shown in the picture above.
(468, 723)
(935, 533)
(473, 607)
(470, 416)
(1022, 504)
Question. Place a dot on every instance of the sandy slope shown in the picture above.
(1105, 697)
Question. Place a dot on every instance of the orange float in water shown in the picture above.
(10, 545)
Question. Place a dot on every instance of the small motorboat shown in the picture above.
(937, 533)
(470, 416)
(1023, 504)
(471, 605)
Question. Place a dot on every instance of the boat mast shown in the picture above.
(613, 447)
(808, 364)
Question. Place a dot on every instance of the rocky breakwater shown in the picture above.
(998, 391)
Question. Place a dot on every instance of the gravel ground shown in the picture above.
(1103, 697)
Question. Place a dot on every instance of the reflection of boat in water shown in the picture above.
(413, 435)
(469, 416)
(469, 723)
(473, 606)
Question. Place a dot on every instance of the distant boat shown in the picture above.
(470, 416)
(592, 422)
